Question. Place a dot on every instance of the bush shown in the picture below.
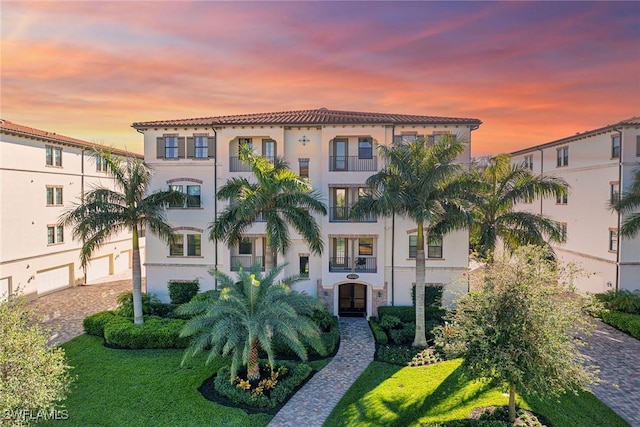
(404, 335)
(181, 292)
(396, 355)
(323, 318)
(298, 372)
(622, 300)
(432, 295)
(94, 324)
(389, 321)
(125, 303)
(629, 323)
(210, 295)
(428, 356)
(378, 333)
(156, 332)
(406, 314)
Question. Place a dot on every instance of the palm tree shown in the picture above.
(418, 182)
(280, 196)
(494, 189)
(251, 311)
(103, 212)
(628, 203)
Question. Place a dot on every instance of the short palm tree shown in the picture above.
(494, 189)
(280, 196)
(629, 203)
(103, 212)
(251, 311)
(419, 181)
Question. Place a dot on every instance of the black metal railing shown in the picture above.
(245, 261)
(353, 163)
(359, 264)
(341, 214)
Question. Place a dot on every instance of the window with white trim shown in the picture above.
(434, 247)
(53, 155)
(562, 157)
(55, 234)
(614, 192)
(201, 147)
(54, 196)
(193, 197)
(615, 146)
(304, 266)
(528, 162)
(365, 148)
(193, 247)
(613, 240)
(562, 199)
(101, 163)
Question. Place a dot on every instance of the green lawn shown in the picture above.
(388, 395)
(142, 388)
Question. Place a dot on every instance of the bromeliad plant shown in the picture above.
(252, 310)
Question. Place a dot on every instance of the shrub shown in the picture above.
(378, 333)
(181, 292)
(210, 295)
(396, 355)
(389, 321)
(622, 300)
(125, 303)
(404, 335)
(323, 318)
(297, 373)
(432, 295)
(428, 356)
(406, 314)
(156, 332)
(94, 324)
(626, 322)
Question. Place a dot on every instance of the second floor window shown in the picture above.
(562, 157)
(53, 156)
(614, 193)
(365, 148)
(171, 147)
(101, 164)
(613, 240)
(201, 147)
(561, 200)
(193, 248)
(304, 168)
(528, 162)
(192, 199)
(54, 196)
(269, 149)
(615, 146)
(434, 247)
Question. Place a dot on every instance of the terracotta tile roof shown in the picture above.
(320, 116)
(632, 121)
(14, 128)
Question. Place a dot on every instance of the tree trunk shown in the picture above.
(512, 402)
(420, 339)
(269, 255)
(253, 367)
(137, 278)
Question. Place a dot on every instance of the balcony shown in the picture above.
(245, 261)
(359, 264)
(341, 214)
(353, 164)
(237, 165)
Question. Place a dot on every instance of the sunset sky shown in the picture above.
(532, 72)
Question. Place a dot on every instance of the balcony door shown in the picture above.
(353, 300)
(340, 155)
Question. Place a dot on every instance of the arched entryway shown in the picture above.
(352, 300)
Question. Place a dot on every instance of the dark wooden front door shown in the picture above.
(353, 300)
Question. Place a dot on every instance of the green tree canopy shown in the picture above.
(629, 207)
(284, 199)
(419, 181)
(251, 311)
(520, 328)
(103, 213)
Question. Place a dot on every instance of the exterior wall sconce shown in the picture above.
(379, 294)
(326, 294)
(304, 140)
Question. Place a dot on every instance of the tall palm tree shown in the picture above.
(103, 212)
(418, 181)
(280, 196)
(494, 189)
(628, 203)
(251, 311)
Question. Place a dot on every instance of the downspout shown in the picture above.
(84, 267)
(541, 173)
(215, 202)
(393, 236)
(144, 289)
(619, 215)
(471, 129)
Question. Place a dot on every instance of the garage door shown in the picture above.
(97, 269)
(47, 281)
(4, 289)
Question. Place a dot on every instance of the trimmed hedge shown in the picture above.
(298, 373)
(406, 314)
(156, 332)
(378, 333)
(94, 324)
(181, 292)
(629, 323)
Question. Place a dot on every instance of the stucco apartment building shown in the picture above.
(365, 263)
(598, 165)
(41, 175)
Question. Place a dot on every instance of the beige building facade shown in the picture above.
(364, 264)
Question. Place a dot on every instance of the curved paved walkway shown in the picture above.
(313, 403)
(618, 356)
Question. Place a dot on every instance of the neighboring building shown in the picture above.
(361, 267)
(597, 165)
(42, 174)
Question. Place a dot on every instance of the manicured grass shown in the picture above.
(142, 388)
(394, 396)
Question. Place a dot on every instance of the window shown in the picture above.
(193, 196)
(247, 141)
(561, 200)
(528, 162)
(53, 156)
(340, 209)
(194, 244)
(614, 192)
(563, 231)
(304, 266)
(434, 248)
(615, 146)
(340, 155)
(613, 240)
(176, 245)
(201, 147)
(413, 246)
(54, 196)
(245, 247)
(171, 147)
(365, 148)
(304, 168)
(562, 157)
(269, 149)
(101, 164)
(436, 137)
(55, 234)
(340, 251)
(177, 188)
(365, 246)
